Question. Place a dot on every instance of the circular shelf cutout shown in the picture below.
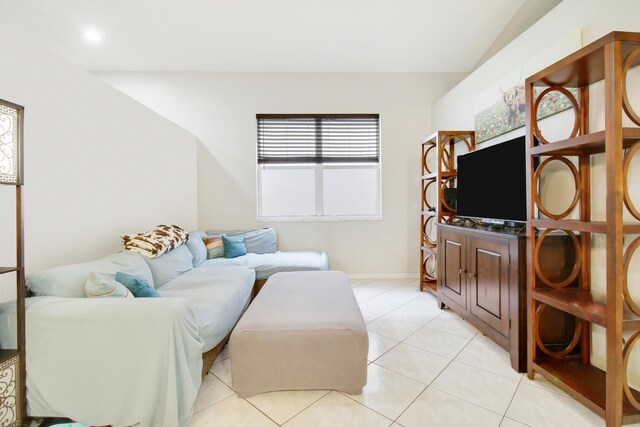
(569, 348)
(577, 264)
(574, 104)
(576, 182)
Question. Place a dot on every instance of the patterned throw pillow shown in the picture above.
(103, 286)
(215, 247)
(154, 243)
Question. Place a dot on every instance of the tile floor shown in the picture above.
(427, 367)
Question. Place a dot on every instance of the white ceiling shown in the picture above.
(274, 35)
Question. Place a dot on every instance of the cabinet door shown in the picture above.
(453, 279)
(489, 283)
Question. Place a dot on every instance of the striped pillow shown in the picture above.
(103, 286)
(215, 247)
(156, 242)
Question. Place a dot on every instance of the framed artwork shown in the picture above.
(509, 113)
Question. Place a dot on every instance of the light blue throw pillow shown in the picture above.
(197, 247)
(170, 265)
(138, 286)
(234, 245)
(103, 286)
(261, 241)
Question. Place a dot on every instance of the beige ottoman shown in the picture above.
(304, 331)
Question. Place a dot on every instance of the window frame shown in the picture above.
(319, 167)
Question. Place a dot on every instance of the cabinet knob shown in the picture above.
(472, 275)
(463, 271)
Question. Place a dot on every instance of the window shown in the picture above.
(323, 167)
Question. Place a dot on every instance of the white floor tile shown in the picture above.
(411, 315)
(541, 382)
(391, 328)
(366, 292)
(224, 354)
(211, 392)
(438, 342)
(370, 315)
(452, 324)
(281, 406)
(413, 362)
(477, 386)
(380, 303)
(508, 422)
(403, 294)
(231, 412)
(413, 288)
(436, 408)
(379, 345)
(426, 301)
(483, 353)
(388, 392)
(541, 408)
(222, 370)
(389, 283)
(376, 307)
(336, 410)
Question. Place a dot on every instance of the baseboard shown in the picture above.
(384, 276)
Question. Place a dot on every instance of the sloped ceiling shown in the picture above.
(274, 35)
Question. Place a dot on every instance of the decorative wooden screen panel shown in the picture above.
(10, 149)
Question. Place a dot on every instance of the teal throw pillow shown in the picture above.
(103, 286)
(234, 245)
(138, 285)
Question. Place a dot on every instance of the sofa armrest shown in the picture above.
(112, 361)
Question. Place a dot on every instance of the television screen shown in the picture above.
(492, 182)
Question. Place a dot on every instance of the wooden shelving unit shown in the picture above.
(606, 392)
(12, 360)
(441, 145)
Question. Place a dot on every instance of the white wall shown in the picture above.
(547, 41)
(220, 109)
(552, 38)
(97, 163)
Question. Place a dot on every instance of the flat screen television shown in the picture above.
(492, 182)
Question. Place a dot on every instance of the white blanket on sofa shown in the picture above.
(118, 347)
(218, 297)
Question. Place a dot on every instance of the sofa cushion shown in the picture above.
(68, 280)
(267, 264)
(102, 286)
(197, 247)
(156, 242)
(218, 297)
(214, 245)
(170, 265)
(234, 245)
(257, 240)
(138, 286)
(261, 241)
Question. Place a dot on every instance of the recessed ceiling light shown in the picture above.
(93, 35)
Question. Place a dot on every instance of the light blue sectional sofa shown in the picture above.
(123, 361)
(263, 256)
